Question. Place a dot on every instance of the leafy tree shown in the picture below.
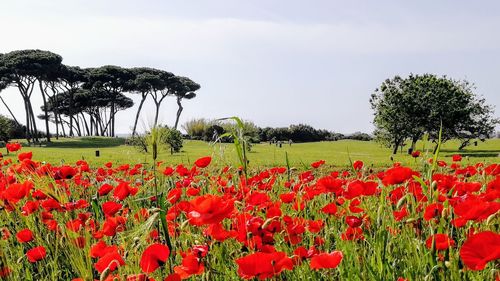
(48, 74)
(89, 109)
(182, 88)
(5, 129)
(111, 80)
(71, 80)
(10, 129)
(359, 136)
(303, 133)
(148, 81)
(408, 108)
(172, 138)
(393, 120)
(22, 69)
(162, 136)
(213, 132)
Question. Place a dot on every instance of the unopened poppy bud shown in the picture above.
(410, 220)
(401, 202)
(434, 185)
(155, 210)
(490, 218)
(184, 224)
(105, 274)
(445, 212)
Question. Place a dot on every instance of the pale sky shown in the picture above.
(272, 62)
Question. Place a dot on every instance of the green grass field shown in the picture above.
(334, 153)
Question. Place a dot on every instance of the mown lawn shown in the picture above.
(336, 153)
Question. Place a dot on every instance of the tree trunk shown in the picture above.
(47, 131)
(414, 143)
(33, 121)
(91, 124)
(138, 113)
(156, 115)
(464, 144)
(77, 122)
(71, 133)
(112, 118)
(28, 129)
(85, 123)
(179, 111)
(396, 145)
(62, 125)
(10, 111)
(57, 125)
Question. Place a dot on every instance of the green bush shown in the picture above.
(168, 137)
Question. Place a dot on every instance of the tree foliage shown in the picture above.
(163, 135)
(408, 108)
(9, 129)
(85, 101)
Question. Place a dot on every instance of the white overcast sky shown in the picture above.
(273, 62)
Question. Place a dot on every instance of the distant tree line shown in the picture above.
(406, 109)
(210, 130)
(85, 101)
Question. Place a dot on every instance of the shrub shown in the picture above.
(196, 128)
(168, 137)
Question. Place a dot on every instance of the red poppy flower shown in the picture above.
(399, 215)
(353, 221)
(317, 164)
(203, 162)
(441, 242)
(5, 271)
(100, 248)
(357, 165)
(456, 158)
(111, 260)
(25, 155)
(36, 254)
(123, 190)
(352, 234)
(396, 175)
(13, 147)
(218, 232)
(287, 197)
(153, 257)
(330, 184)
(191, 265)
(415, 154)
(66, 172)
(110, 208)
(263, 265)
(168, 171)
(209, 209)
(24, 236)
(330, 209)
(17, 191)
(326, 260)
(173, 277)
(479, 249)
(105, 189)
(433, 211)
